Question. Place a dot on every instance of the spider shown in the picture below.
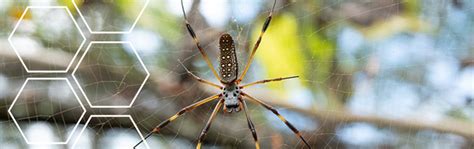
(231, 97)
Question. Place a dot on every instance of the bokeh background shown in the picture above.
(373, 73)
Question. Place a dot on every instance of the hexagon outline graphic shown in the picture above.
(139, 59)
(46, 79)
(46, 71)
(111, 116)
(111, 32)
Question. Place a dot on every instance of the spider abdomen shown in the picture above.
(228, 60)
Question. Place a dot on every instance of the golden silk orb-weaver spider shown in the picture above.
(232, 96)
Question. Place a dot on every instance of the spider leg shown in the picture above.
(198, 45)
(268, 107)
(200, 79)
(267, 80)
(255, 47)
(208, 124)
(181, 112)
(251, 126)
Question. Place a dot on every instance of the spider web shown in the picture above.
(373, 74)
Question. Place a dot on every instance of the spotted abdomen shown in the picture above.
(228, 59)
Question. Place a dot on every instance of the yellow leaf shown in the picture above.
(280, 51)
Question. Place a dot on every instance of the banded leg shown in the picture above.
(267, 80)
(295, 131)
(181, 112)
(198, 45)
(255, 47)
(251, 126)
(200, 79)
(208, 124)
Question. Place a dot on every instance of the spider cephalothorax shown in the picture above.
(231, 97)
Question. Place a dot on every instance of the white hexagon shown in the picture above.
(19, 127)
(19, 44)
(93, 100)
(112, 116)
(89, 26)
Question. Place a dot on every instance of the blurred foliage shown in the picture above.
(280, 51)
(356, 56)
(159, 19)
(396, 24)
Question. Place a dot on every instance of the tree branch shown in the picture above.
(447, 125)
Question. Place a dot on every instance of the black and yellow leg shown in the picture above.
(198, 45)
(208, 124)
(200, 79)
(251, 126)
(255, 47)
(267, 80)
(181, 112)
(274, 111)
